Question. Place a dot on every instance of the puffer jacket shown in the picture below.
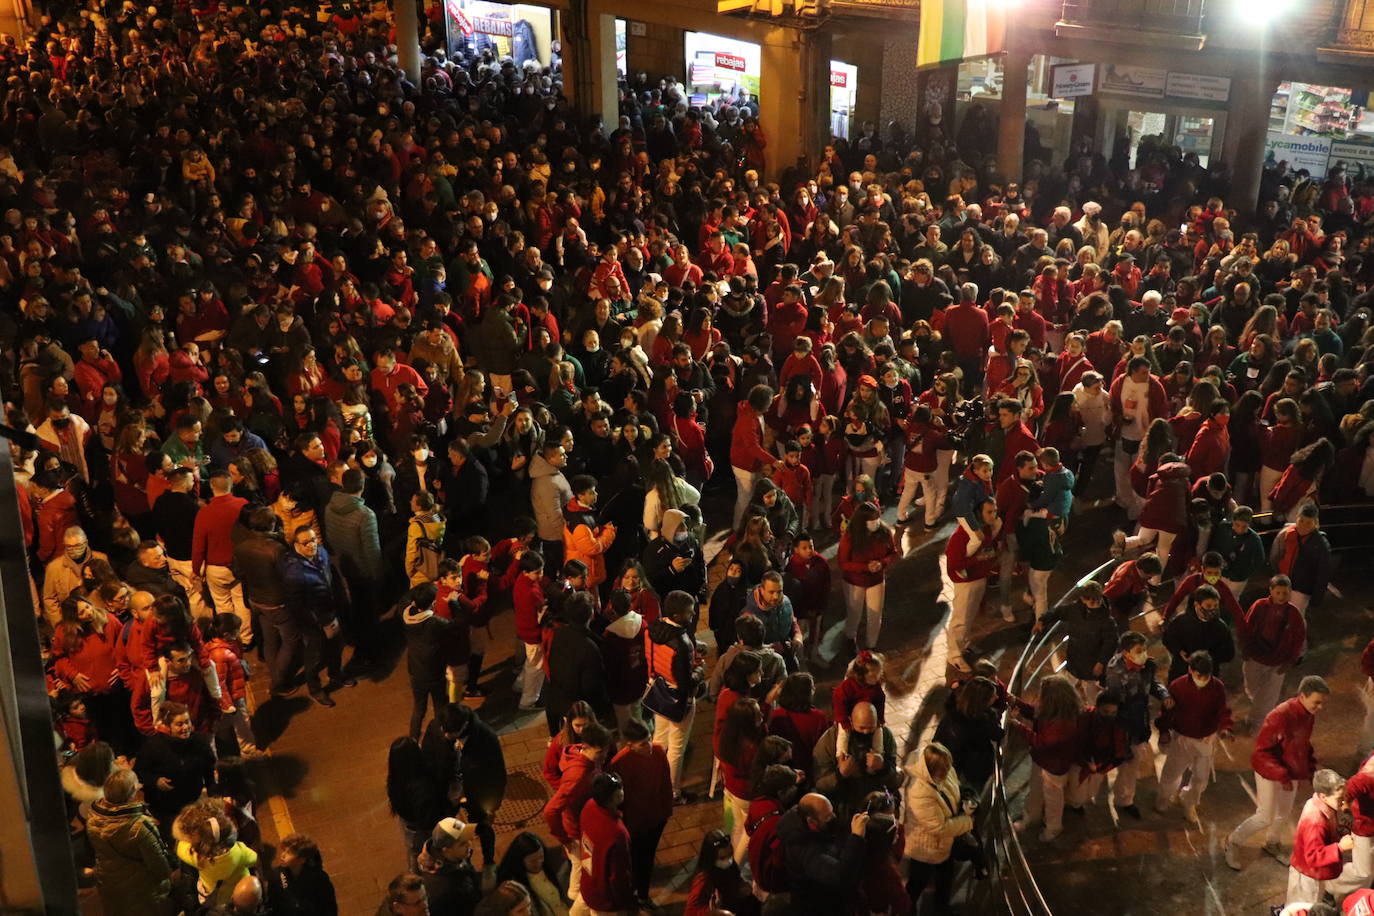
(585, 540)
(132, 872)
(1166, 506)
(351, 533)
(549, 493)
(933, 817)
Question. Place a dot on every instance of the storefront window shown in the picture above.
(1312, 127)
(620, 44)
(844, 89)
(718, 66)
(522, 32)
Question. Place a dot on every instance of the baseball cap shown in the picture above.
(449, 831)
(1178, 314)
(868, 380)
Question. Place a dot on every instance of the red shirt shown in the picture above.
(648, 781)
(1316, 849)
(961, 566)
(211, 541)
(966, 328)
(1283, 750)
(1197, 713)
(607, 884)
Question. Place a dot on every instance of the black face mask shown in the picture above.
(62, 422)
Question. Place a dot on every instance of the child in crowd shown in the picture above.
(222, 644)
(806, 581)
(863, 683)
(476, 571)
(73, 725)
(794, 479)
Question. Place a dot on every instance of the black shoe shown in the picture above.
(1075, 812)
(347, 682)
(324, 699)
(1132, 810)
(475, 691)
(285, 692)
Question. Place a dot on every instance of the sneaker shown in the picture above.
(1274, 850)
(1008, 614)
(1118, 543)
(1049, 836)
(1132, 811)
(1229, 852)
(1076, 810)
(324, 699)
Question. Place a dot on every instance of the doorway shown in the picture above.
(1197, 132)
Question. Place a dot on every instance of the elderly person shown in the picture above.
(132, 871)
(935, 818)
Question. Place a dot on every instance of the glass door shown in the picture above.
(1194, 135)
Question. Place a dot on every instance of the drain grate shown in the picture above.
(526, 793)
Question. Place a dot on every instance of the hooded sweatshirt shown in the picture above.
(426, 636)
(563, 812)
(549, 493)
(622, 645)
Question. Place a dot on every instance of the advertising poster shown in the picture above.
(1311, 153)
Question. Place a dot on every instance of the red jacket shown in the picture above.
(607, 884)
(962, 566)
(1278, 445)
(849, 693)
(1190, 584)
(224, 655)
(966, 329)
(529, 600)
(854, 563)
(189, 690)
(1197, 713)
(212, 543)
(808, 584)
(649, 782)
(691, 446)
(785, 324)
(1019, 438)
(1166, 506)
(91, 378)
(803, 729)
(923, 443)
(746, 440)
(1210, 451)
(1053, 743)
(1012, 498)
(762, 826)
(795, 482)
(1158, 399)
(1283, 750)
(96, 656)
(1102, 352)
(1359, 792)
(55, 515)
(1271, 635)
(563, 812)
(1316, 849)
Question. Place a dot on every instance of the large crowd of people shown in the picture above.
(281, 329)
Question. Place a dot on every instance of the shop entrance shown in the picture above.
(844, 87)
(1192, 133)
(718, 67)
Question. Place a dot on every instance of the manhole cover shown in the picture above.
(526, 793)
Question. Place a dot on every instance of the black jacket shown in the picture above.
(822, 868)
(482, 765)
(188, 762)
(427, 636)
(258, 565)
(1189, 633)
(174, 517)
(971, 741)
(576, 672)
(658, 564)
(1092, 637)
(310, 893)
(157, 581)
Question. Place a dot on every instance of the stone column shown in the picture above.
(408, 39)
(1247, 126)
(1011, 121)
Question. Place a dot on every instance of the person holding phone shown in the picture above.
(935, 818)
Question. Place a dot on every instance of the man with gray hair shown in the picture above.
(1321, 850)
(66, 571)
(966, 328)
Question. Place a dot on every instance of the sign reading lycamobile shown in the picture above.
(1310, 152)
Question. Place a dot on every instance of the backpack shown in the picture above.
(429, 554)
(766, 855)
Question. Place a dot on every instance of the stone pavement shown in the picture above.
(326, 772)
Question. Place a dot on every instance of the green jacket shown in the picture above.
(132, 871)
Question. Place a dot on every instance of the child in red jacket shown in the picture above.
(1319, 846)
(476, 571)
(863, 683)
(1053, 737)
(73, 725)
(807, 582)
(794, 479)
(221, 634)
(506, 554)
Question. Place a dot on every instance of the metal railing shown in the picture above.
(1179, 16)
(1011, 886)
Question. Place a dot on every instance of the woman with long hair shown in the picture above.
(1302, 480)
(717, 885)
(867, 548)
(753, 551)
(152, 362)
(1247, 442)
(1024, 387)
(740, 735)
(579, 715)
(541, 869)
(797, 718)
(84, 650)
(1053, 738)
(664, 490)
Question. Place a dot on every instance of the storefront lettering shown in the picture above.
(729, 62)
(839, 79)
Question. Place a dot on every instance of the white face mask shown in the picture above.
(873, 524)
(421, 455)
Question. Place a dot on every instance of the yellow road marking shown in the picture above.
(276, 802)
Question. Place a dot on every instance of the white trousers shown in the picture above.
(1129, 774)
(227, 593)
(968, 598)
(739, 814)
(1040, 590)
(672, 737)
(1305, 889)
(744, 490)
(866, 603)
(181, 573)
(1147, 536)
(1267, 478)
(1126, 496)
(931, 490)
(532, 676)
(1006, 567)
(1192, 756)
(1263, 684)
(1045, 799)
(1273, 805)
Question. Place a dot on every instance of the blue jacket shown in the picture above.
(221, 452)
(309, 585)
(779, 624)
(1057, 497)
(1135, 688)
(968, 493)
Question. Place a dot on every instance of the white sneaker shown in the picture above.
(1008, 614)
(1232, 859)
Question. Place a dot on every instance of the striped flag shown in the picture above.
(955, 30)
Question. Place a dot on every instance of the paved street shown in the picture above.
(327, 767)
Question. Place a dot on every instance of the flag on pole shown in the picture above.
(956, 30)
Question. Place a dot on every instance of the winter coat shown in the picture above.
(822, 869)
(1187, 632)
(1310, 570)
(1166, 505)
(1271, 635)
(576, 671)
(1092, 635)
(853, 561)
(188, 762)
(808, 585)
(661, 551)
(848, 792)
(607, 884)
(622, 647)
(1283, 750)
(585, 540)
(933, 817)
(310, 587)
(95, 657)
(351, 533)
(426, 637)
(1135, 686)
(258, 565)
(132, 872)
(563, 812)
(1054, 743)
(971, 741)
(482, 766)
(1210, 451)
(549, 493)
(779, 623)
